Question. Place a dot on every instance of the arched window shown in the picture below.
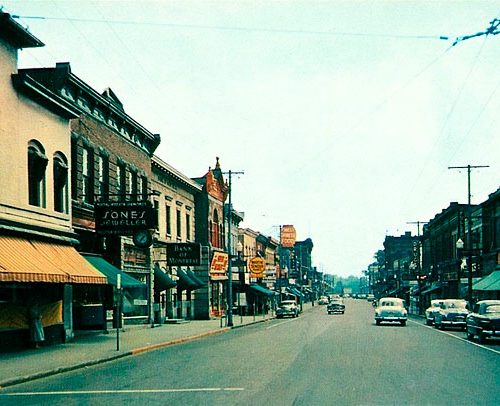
(60, 172)
(37, 164)
(215, 229)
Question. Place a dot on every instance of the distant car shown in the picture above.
(431, 311)
(323, 300)
(336, 306)
(370, 297)
(451, 313)
(287, 308)
(391, 309)
(484, 320)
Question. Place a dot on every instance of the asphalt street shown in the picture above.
(316, 359)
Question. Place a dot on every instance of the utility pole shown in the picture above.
(419, 276)
(468, 250)
(229, 260)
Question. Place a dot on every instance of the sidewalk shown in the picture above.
(96, 347)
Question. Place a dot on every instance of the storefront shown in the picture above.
(48, 275)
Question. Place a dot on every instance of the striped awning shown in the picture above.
(29, 260)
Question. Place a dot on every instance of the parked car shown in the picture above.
(287, 308)
(451, 313)
(391, 309)
(430, 312)
(336, 306)
(323, 300)
(370, 297)
(484, 320)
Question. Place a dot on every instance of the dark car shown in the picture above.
(451, 313)
(484, 321)
(287, 308)
(335, 306)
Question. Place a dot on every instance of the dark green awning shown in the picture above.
(185, 282)
(490, 282)
(111, 272)
(162, 280)
(295, 292)
(260, 290)
(195, 279)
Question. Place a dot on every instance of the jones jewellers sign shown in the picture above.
(124, 218)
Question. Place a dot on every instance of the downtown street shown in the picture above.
(315, 359)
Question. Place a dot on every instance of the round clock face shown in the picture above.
(143, 238)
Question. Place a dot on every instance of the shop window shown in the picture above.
(37, 165)
(60, 174)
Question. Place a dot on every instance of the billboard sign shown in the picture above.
(288, 235)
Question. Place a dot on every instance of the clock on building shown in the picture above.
(143, 238)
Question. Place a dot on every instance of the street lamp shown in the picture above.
(460, 249)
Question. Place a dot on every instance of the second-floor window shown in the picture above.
(103, 176)
(179, 225)
(168, 220)
(37, 164)
(60, 175)
(121, 182)
(188, 227)
(88, 175)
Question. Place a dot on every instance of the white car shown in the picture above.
(430, 312)
(391, 309)
(323, 300)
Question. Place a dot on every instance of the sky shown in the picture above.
(343, 115)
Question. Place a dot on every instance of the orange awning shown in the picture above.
(25, 260)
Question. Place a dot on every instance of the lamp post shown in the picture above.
(239, 248)
(460, 248)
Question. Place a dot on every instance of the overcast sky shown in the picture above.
(344, 115)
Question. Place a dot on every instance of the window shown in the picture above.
(37, 164)
(168, 220)
(121, 182)
(179, 223)
(103, 176)
(215, 230)
(143, 187)
(188, 227)
(88, 175)
(74, 168)
(60, 175)
(133, 187)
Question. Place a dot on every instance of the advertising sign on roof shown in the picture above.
(288, 236)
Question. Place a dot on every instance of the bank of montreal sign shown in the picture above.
(124, 218)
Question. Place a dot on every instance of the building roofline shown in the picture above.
(16, 34)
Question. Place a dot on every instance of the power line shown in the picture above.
(491, 30)
(235, 28)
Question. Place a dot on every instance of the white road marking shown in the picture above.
(281, 323)
(454, 336)
(107, 392)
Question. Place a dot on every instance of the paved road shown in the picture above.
(316, 359)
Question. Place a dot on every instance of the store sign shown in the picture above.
(124, 218)
(288, 235)
(183, 254)
(257, 266)
(218, 266)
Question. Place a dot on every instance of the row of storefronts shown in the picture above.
(457, 255)
(91, 218)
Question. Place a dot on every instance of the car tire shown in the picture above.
(403, 323)
(428, 322)
(470, 336)
(482, 338)
(377, 322)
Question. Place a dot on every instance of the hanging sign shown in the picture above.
(257, 266)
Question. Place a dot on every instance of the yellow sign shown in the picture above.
(257, 267)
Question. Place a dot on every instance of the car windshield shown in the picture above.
(454, 304)
(493, 308)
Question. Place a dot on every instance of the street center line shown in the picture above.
(127, 391)
(454, 336)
